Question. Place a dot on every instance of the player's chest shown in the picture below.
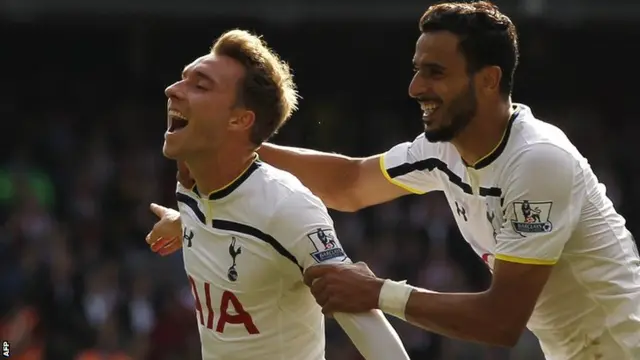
(477, 204)
(235, 279)
(229, 260)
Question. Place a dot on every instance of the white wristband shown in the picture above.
(393, 297)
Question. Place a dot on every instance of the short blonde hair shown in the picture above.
(268, 88)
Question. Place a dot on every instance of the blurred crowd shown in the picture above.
(84, 115)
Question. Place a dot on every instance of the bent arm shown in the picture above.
(372, 335)
(343, 183)
(545, 177)
(490, 317)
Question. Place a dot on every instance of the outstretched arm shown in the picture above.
(343, 183)
(526, 251)
(349, 184)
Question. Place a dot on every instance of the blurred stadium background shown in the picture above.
(84, 114)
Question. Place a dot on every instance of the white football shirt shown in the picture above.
(535, 200)
(245, 248)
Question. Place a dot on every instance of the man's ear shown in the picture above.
(242, 120)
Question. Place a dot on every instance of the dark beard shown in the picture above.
(461, 110)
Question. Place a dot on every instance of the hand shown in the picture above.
(347, 288)
(166, 236)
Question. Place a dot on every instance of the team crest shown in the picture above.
(232, 273)
(495, 214)
(326, 245)
(532, 216)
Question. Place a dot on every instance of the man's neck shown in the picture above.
(484, 134)
(214, 171)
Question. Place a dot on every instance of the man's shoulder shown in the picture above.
(425, 149)
(280, 185)
(532, 133)
(542, 167)
(534, 141)
(293, 208)
(284, 192)
(544, 151)
(422, 154)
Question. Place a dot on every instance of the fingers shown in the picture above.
(319, 291)
(166, 235)
(160, 243)
(158, 232)
(158, 210)
(172, 247)
(329, 308)
(152, 236)
(328, 313)
(349, 288)
(317, 271)
(321, 294)
(166, 246)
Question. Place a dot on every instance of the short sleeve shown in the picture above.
(543, 199)
(410, 166)
(303, 225)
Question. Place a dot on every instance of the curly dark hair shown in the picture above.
(487, 36)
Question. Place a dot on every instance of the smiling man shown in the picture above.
(247, 229)
(523, 196)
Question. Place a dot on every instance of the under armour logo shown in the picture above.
(232, 274)
(461, 211)
(187, 236)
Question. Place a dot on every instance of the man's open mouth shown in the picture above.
(177, 121)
